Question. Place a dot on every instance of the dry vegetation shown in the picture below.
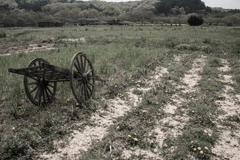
(172, 93)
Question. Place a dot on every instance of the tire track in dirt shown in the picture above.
(176, 121)
(154, 79)
(228, 145)
(81, 140)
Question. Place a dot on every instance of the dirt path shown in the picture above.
(228, 145)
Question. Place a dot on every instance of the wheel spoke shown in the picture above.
(80, 90)
(87, 92)
(49, 91)
(33, 89)
(88, 71)
(78, 84)
(79, 67)
(89, 89)
(50, 85)
(34, 78)
(36, 93)
(47, 95)
(87, 66)
(44, 100)
(84, 64)
(40, 96)
(79, 71)
(91, 84)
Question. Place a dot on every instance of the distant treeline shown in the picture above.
(30, 12)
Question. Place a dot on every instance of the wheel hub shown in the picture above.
(85, 78)
(43, 83)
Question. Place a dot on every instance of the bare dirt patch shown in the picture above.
(10, 49)
(192, 77)
(228, 145)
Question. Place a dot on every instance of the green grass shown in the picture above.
(125, 55)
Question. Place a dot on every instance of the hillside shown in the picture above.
(30, 12)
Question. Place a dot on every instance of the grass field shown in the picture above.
(173, 93)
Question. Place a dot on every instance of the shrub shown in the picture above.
(2, 34)
(194, 20)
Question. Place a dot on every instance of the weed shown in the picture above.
(171, 42)
(235, 118)
(214, 62)
(207, 40)
(14, 147)
(2, 34)
(137, 92)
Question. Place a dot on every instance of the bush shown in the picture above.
(194, 20)
(2, 34)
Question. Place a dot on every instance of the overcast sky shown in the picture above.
(227, 4)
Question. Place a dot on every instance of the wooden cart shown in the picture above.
(40, 79)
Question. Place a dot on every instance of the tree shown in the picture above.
(194, 20)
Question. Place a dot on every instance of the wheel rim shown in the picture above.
(82, 78)
(38, 90)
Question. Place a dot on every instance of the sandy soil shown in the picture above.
(227, 147)
(17, 48)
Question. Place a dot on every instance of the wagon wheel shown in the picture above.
(82, 78)
(38, 90)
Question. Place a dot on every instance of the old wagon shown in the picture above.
(40, 79)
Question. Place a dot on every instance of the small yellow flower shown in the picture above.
(135, 134)
(113, 159)
(206, 148)
(201, 152)
(193, 111)
(199, 148)
(129, 136)
(149, 134)
(68, 100)
(209, 135)
(13, 128)
(151, 142)
(194, 149)
(117, 127)
(165, 145)
(138, 85)
(192, 142)
(116, 86)
(205, 131)
(135, 139)
(139, 81)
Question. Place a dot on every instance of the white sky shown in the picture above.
(226, 4)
